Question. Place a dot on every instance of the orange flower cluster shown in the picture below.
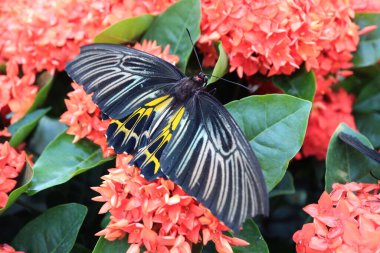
(157, 214)
(44, 35)
(11, 164)
(83, 116)
(346, 220)
(5, 248)
(276, 37)
(330, 108)
(17, 93)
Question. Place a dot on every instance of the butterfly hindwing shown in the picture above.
(132, 133)
(122, 78)
(211, 160)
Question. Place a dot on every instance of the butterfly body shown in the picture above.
(174, 128)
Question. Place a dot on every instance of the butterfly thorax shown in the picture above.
(187, 86)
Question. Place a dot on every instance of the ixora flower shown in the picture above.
(17, 94)
(276, 37)
(330, 108)
(346, 220)
(44, 35)
(5, 248)
(158, 215)
(82, 115)
(11, 164)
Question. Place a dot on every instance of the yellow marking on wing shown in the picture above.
(156, 101)
(177, 118)
(166, 135)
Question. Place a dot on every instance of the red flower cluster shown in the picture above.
(330, 108)
(5, 248)
(11, 164)
(17, 93)
(44, 35)
(276, 37)
(346, 220)
(83, 116)
(157, 214)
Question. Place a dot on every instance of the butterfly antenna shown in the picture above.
(196, 55)
(238, 84)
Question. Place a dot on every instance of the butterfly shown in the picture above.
(174, 128)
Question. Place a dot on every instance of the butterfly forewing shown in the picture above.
(121, 78)
(211, 160)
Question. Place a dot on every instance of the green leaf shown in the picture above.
(170, 29)
(345, 164)
(3, 69)
(368, 51)
(105, 246)
(26, 177)
(251, 234)
(367, 111)
(62, 159)
(275, 126)
(44, 81)
(300, 84)
(285, 187)
(125, 31)
(22, 128)
(53, 231)
(221, 66)
(46, 130)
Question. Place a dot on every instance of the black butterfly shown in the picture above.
(174, 129)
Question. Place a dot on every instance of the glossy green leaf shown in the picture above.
(125, 31)
(22, 186)
(44, 81)
(369, 125)
(285, 187)
(105, 246)
(367, 111)
(368, 51)
(46, 130)
(62, 159)
(53, 231)
(221, 66)
(22, 128)
(275, 126)
(345, 164)
(251, 234)
(300, 84)
(170, 29)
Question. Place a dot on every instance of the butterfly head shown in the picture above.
(201, 78)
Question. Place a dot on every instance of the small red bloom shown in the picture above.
(11, 164)
(330, 108)
(5, 248)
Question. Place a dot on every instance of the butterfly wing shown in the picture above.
(211, 160)
(122, 78)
